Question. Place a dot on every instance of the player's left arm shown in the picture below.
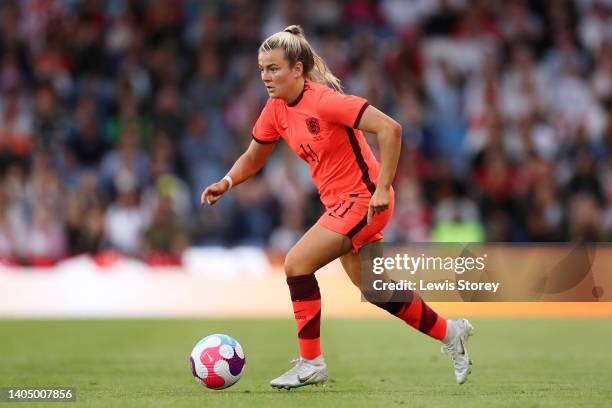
(389, 135)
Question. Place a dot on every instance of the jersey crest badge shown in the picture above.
(313, 125)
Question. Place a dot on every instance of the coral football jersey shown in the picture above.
(320, 127)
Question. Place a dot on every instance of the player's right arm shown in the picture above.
(247, 165)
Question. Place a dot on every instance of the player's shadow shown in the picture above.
(309, 389)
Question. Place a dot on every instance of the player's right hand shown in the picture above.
(213, 193)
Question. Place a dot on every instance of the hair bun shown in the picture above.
(295, 29)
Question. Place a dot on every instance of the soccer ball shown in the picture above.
(217, 361)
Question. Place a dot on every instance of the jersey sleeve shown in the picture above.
(343, 109)
(265, 130)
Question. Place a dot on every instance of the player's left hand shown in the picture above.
(379, 202)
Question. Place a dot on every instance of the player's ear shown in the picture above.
(298, 69)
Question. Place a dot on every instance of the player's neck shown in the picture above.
(297, 92)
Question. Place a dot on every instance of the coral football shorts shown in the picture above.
(349, 217)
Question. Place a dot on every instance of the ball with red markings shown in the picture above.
(217, 361)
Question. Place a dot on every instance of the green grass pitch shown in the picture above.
(144, 363)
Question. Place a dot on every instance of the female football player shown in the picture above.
(324, 127)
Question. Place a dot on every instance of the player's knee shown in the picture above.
(292, 266)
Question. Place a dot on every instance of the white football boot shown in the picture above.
(456, 348)
(305, 372)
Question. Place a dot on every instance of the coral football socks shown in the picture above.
(306, 300)
(408, 306)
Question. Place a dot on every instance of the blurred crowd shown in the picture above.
(115, 114)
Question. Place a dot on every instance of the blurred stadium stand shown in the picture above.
(115, 114)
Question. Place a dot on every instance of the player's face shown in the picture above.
(279, 78)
